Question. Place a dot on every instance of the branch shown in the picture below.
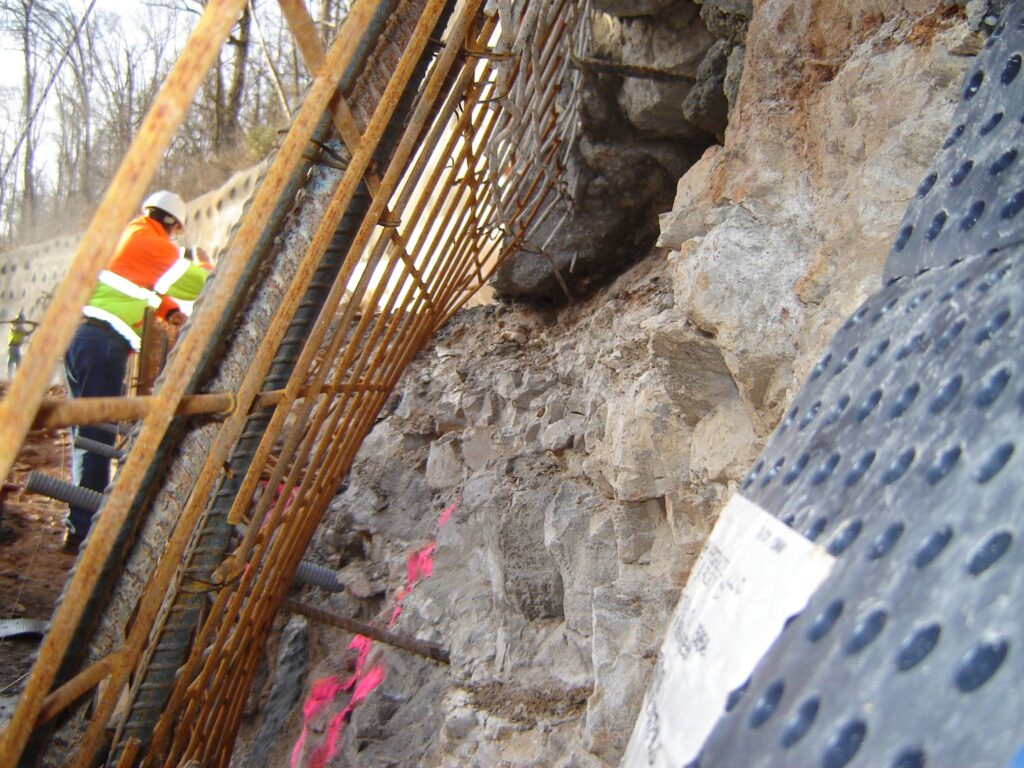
(46, 92)
(278, 88)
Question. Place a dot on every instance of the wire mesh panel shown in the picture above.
(386, 207)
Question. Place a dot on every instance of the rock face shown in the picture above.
(590, 448)
(643, 59)
(781, 233)
(660, 79)
(558, 438)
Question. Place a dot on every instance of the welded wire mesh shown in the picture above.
(476, 176)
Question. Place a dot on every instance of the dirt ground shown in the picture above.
(32, 567)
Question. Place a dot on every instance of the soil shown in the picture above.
(33, 568)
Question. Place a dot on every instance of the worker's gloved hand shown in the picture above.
(176, 317)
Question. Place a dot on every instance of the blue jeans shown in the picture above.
(13, 359)
(95, 365)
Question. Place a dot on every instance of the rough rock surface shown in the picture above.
(557, 435)
(590, 448)
(781, 233)
(635, 144)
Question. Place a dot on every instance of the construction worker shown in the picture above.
(146, 271)
(20, 330)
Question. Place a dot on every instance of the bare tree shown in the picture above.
(27, 22)
(63, 146)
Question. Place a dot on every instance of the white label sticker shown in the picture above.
(752, 575)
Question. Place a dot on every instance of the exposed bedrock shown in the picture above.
(653, 98)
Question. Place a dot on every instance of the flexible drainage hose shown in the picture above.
(55, 488)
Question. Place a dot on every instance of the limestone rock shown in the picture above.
(738, 285)
(675, 40)
(733, 73)
(724, 444)
(727, 19)
(644, 453)
(629, 617)
(637, 527)
(444, 468)
(531, 576)
(692, 367)
(478, 449)
(656, 108)
(706, 106)
(399, 720)
(579, 535)
(480, 408)
(691, 512)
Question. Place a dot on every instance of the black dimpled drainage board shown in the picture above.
(904, 456)
(972, 198)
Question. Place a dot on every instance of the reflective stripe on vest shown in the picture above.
(115, 322)
(128, 288)
(172, 275)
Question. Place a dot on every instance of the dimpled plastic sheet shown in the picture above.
(900, 456)
(972, 198)
(903, 456)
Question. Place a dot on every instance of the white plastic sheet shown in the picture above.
(752, 575)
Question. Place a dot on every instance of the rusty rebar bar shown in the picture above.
(412, 645)
(18, 409)
(425, 265)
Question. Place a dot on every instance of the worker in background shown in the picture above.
(20, 330)
(147, 271)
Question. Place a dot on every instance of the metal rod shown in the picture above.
(629, 70)
(56, 413)
(19, 407)
(98, 448)
(412, 645)
(203, 324)
(77, 687)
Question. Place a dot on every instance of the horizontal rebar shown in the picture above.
(412, 645)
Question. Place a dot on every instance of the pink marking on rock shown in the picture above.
(329, 746)
(447, 514)
(366, 684)
(419, 566)
(297, 750)
(322, 693)
(363, 645)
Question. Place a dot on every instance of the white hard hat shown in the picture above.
(169, 202)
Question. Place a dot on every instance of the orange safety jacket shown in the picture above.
(146, 271)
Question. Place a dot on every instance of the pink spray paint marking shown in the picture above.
(446, 515)
(323, 693)
(419, 565)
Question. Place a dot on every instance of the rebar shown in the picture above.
(402, 642)
(333, 317)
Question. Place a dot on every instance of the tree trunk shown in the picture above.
(233, 107)
(28, 180)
